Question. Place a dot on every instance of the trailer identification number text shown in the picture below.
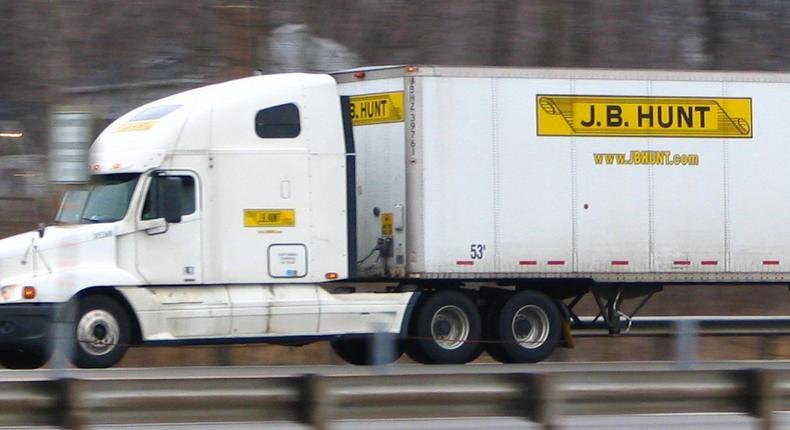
(615, 116)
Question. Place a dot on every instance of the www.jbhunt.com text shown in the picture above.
(646, 158)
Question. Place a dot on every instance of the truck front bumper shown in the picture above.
(26, 325)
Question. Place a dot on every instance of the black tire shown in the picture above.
(425, 344)
(102, 332)
(356, 350)
(490, 323)
(539, 337)
(25, 358)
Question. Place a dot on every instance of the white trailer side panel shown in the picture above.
(534, 226)
(489, 196)
(458, 162)
(758, 182)
(612, 212)
(688, 202)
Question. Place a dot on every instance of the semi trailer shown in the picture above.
(460, 209)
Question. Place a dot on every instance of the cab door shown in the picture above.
(169, 253)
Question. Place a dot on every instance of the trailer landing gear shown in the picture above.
(610, 300)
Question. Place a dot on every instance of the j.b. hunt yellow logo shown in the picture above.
(560, 115)
(381, 108)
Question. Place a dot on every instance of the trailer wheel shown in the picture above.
(102, 333)
(528, 328)
(442, 327)
(25, 358)
(357, 351)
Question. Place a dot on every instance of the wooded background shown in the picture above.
(45, 44)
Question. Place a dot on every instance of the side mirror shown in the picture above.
(170, 198)
(154, 227)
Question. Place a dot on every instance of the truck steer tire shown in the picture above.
(444, 329)
(25, 358)
(357, 351)
(102, 332)
(528, 328)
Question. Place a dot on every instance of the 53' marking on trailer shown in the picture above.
(477, 251)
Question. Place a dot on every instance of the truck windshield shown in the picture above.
(106, 200)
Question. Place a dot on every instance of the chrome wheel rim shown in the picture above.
(98, 332)
(450, 327)
(530, 326)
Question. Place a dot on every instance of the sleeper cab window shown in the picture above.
(153, 201)
(278, 122)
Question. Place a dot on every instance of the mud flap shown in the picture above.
(566, 337)
(566, 340)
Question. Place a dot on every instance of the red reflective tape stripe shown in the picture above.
(771, 262)
(709, 263)
(527, 262)
(556, 262)
(465, 262)
(682, 262)
(620, 263)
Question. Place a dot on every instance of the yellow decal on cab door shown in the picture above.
(269, 217)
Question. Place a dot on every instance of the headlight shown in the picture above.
(10, 292)
(16, 292)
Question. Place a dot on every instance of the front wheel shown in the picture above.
(102, 332)
(527, 328)
(445, 329)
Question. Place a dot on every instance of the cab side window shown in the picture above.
(278, 122)
(151, 209)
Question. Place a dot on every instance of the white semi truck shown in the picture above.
(458, 208)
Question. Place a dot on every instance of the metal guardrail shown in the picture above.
(705, 325)
(319, 400)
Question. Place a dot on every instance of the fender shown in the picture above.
(61, 286)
